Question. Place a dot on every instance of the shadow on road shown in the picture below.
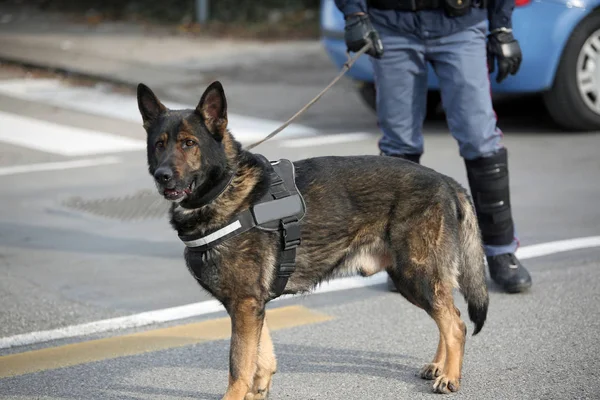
(516, 114)
(174, 373)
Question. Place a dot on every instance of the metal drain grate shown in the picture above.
(144, 204)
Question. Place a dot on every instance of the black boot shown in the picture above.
(416, 158)
(489, 183)
(507, 271)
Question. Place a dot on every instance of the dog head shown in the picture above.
(185, 148)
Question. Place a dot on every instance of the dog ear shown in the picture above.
(149, 105)
(213, 109)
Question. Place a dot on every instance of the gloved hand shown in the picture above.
(358, 32)
(502, 46)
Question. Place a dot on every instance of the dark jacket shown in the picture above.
(432, 23)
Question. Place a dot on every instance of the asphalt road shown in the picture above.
(80, 244)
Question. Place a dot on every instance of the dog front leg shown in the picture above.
(247, 318)
(266, 367)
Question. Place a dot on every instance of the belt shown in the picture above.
(415, 5)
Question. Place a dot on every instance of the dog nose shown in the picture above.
(163, 175)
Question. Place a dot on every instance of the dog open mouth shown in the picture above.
(178, 194)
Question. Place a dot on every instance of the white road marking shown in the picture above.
(60, 139)
(212, 306)
(106, 325)
(59, 165)
(544, 249)
(164, 315)
(326, 140)
(94, 100)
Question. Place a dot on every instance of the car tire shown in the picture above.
(368, 94)
(565, 103)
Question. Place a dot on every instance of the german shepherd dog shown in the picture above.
(364, 214)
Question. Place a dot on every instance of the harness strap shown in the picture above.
(290, 238)
(278, 189)
(243, 223)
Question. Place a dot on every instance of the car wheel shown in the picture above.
(368, 94)
(574, 100)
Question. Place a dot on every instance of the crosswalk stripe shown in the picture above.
(124, 107)
(58, 165)
(60, 139)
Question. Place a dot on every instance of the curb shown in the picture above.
(66, 71)
(77, 73)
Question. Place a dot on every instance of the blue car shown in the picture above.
(560, 40)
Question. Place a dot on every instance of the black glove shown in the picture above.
(505, 48)
(358, 32)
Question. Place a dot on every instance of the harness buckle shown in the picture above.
(291, 234)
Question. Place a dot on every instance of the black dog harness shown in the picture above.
(280, 209)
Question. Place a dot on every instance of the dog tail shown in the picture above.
(471, 278)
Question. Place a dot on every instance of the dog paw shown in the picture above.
(258, 395)
(444, 384)
(431, 371)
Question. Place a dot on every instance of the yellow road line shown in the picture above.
(143, 342)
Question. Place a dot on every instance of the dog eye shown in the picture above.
(160, 144)
(189, 143)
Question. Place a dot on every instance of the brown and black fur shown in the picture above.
(365, 214)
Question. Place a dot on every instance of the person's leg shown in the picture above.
(460, 63)
(401, 86)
